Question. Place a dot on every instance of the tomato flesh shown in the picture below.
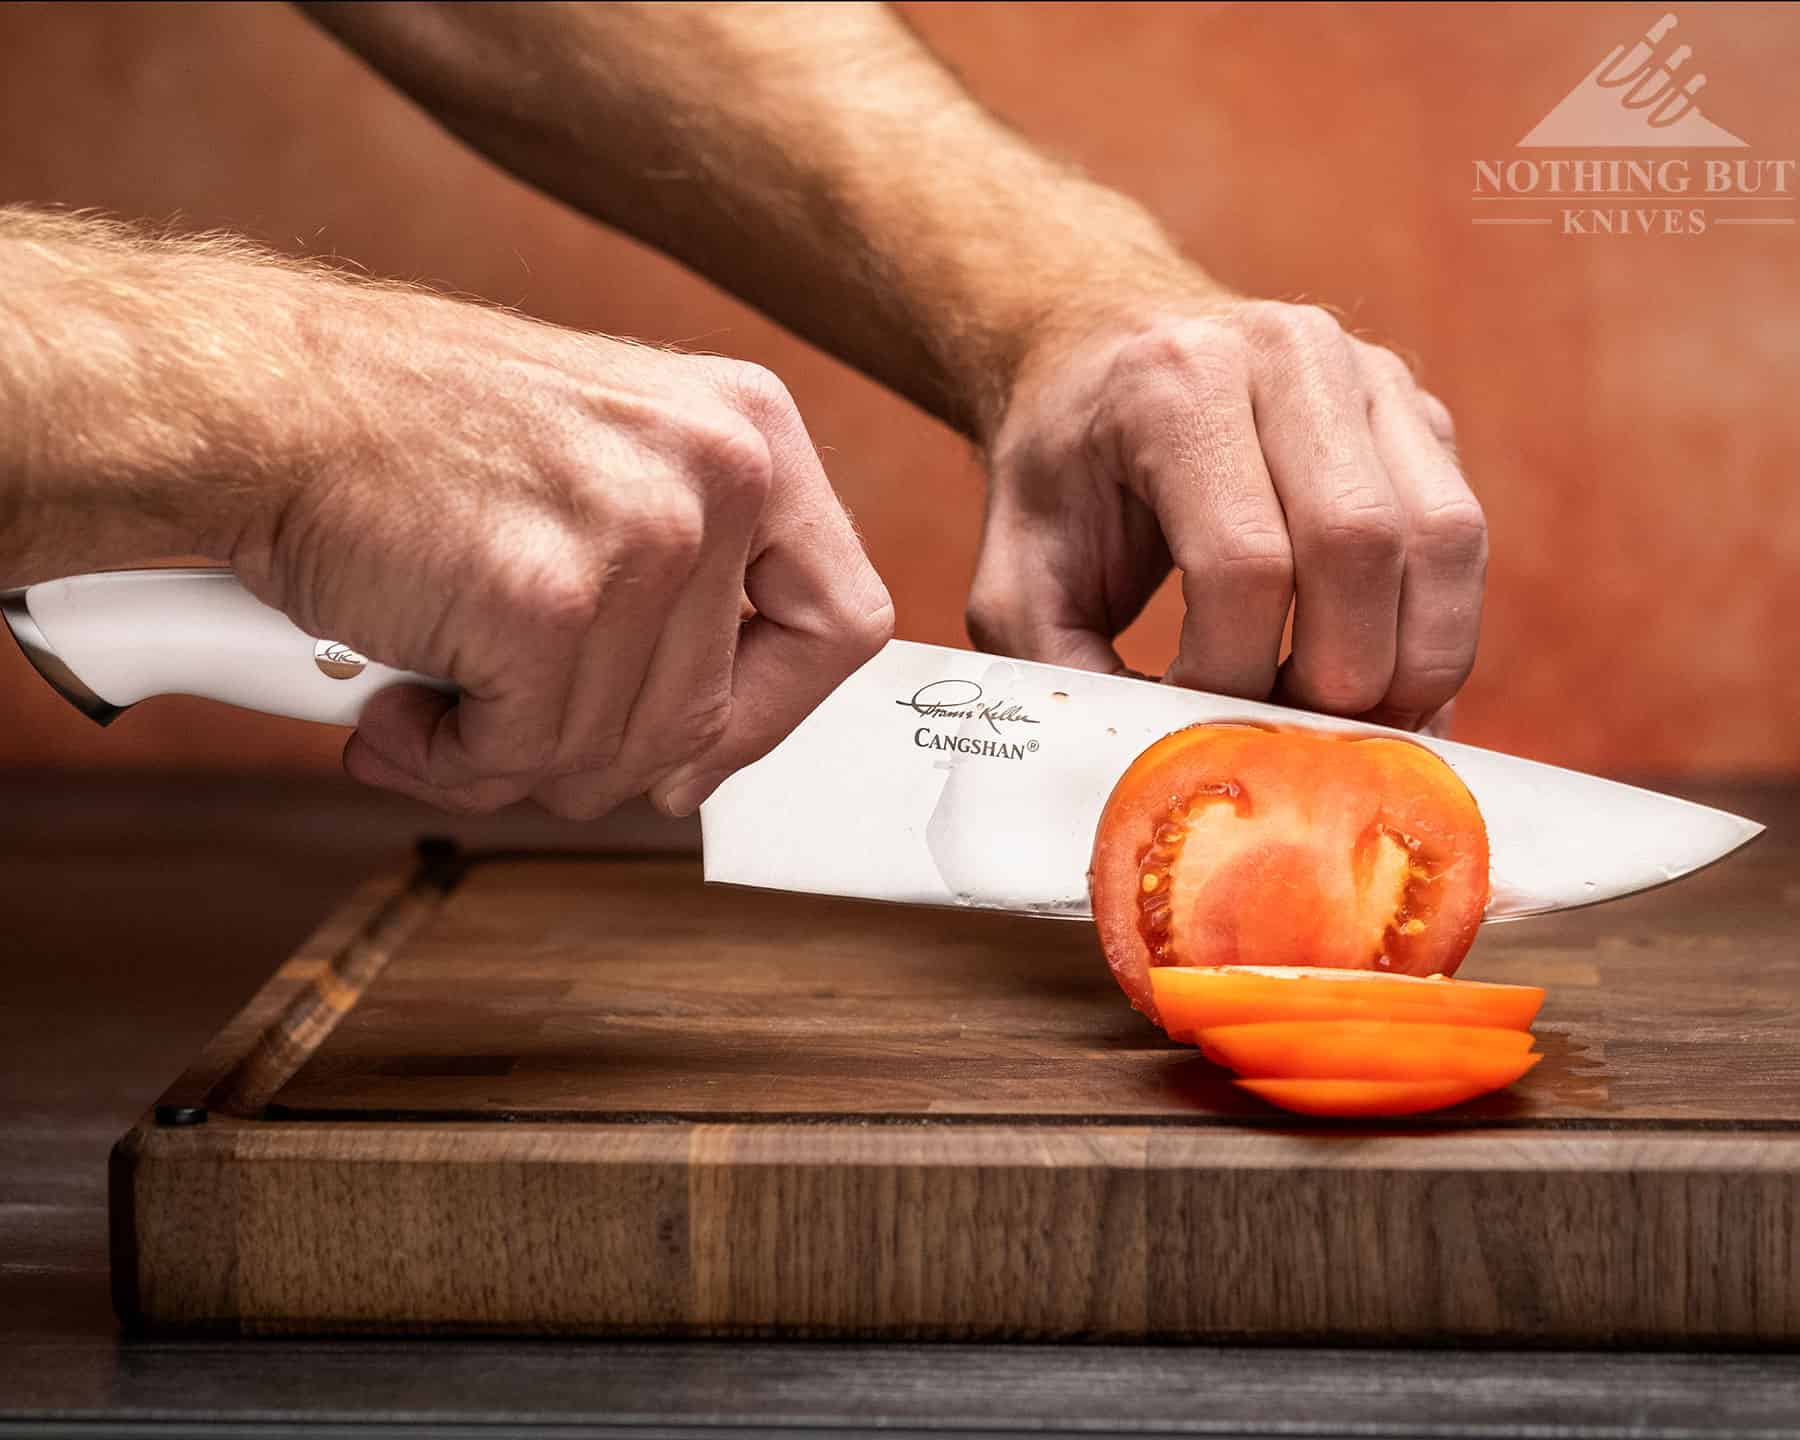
(1370, 1098)
(1368, 1050)
(1192, 999)
(1240, 845)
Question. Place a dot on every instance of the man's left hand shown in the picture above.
(1274, 460)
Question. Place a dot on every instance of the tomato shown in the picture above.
(1241, 845)
(1373, 1097)
(1192, 999)
(1367, 1050)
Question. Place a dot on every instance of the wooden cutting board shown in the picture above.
(555, 1093)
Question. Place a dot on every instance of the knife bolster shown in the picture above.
(49, 664)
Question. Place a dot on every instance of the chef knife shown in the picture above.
(931, 776)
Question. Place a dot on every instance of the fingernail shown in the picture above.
(683, 796)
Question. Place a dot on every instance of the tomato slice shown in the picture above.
(1241, 845)
(1190, 998)
(1373, 1097)
(1367, 1050)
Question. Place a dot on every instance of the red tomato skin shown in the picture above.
(1369, 1050)
(1194, 999)
(1370, 1099)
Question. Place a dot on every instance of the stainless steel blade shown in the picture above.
(948, 777)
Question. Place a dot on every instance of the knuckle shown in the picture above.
(1256, 559)
(1364, 536)
(875, 627)
(466, 801)
(578, 809)
(1162, 348)
(1346, 692)
(1112, 434)
(490, 764)
(731, 459)
(1386, 371)
(594, 751)
(1204, 352)
(986, 626)
(699, 730)
(693, 740)
(1428, 681)
(665, 531)
(566, 601)
(575, 801)
(1343, 678)
(532, 757)
(760, 394)
(991, 616)
(1454, 533)
(1309, 327)
(987, 629)
(1437, 416)
(757, 385)
(558, 594)
(865, 626)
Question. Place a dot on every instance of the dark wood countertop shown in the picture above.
(140, 913)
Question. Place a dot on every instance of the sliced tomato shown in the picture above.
(1240, 845)
(1191, 999)
(1367, 1050)
(1374, 1097)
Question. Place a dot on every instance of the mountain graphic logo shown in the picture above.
(1634, 98)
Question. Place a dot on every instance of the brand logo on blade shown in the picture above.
(963, 700)
(337, 660)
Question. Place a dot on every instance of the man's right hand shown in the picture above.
(567, 528)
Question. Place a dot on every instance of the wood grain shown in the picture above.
(971, 1231)
(315, 1009)
(126, 967)
(593, 1096)
(561, 988)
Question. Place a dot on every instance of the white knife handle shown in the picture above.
(107, 641)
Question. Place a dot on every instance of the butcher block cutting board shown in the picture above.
(556, 1093)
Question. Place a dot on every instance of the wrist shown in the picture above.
(1093, 262)
(1078, 328)
(305, 412)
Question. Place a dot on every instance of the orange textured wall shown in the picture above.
(1626, 404)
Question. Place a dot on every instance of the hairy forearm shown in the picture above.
(144, 390)
(814, 159)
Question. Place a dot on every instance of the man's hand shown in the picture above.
(903, 228)
(1275, 460)
(567, 527)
